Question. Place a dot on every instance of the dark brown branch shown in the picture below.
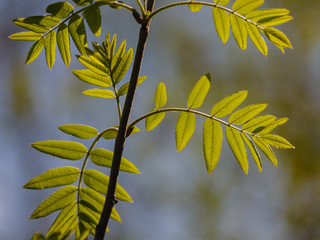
(120, 140)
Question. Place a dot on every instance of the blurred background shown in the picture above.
(174, 196)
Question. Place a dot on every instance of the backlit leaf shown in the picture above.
(103, 157)
(79, 130)
(54, 178)
(239, 31)
(122, 66)
(94, 65)
(60, 9)
(92, 15)
(238, 148)
(35, 50)
(124, 88)
(92, 78)
(82, 2)
(56, 201)
(63, 42)
(247, 113)
(154, 120)
(195, 7)
(276, 141)
(253, 150)
(271, 126)
(265, 148)
(273, 21)
(50, 42)
(199, 92)
(32, 24)
(68, 228)
(257, 39)
(222, 2)
(37, 236)
(116, 58)
(257, 15)
(227, 105)
(258, 123)
(62, 149)
(222, 23)
(184, 129)
(99, 182)
(244, 7)
(78, 33)
(212, 143)
(277, 37)
(160, 96)
(99, 93)
(26, 36)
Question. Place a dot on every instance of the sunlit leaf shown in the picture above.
(99, 93)
(154, 120)
(62, 149)
(92, 78)
(38, 24)
(26, 36)
(99, 182)
(268, 128)
(222, 2)
(37, 236)
(184, 129)
(60, 9)
(35, 50)
(92, 15)
(65, 214)
(247, 113)
(273, 21)
(212, 143)
(79, 130)
(246, 6)
(78, 33)
(222, 23)
(63, 42)
(58, 200)
(253, 150)
(54, 178)
(227, 105)
(121, 68)
(160, 96)
(82, 2)
(258, 123)
(94, 65)
(257, 15)
(199, 92)
(277, 37)
(82, 232)
(124, 88)
(257, 39)
(265, 148)
(50, 42)
(238, 148)
(239, 31)
(103, 157)
(277, 141)
(195, 7)
(116, 58)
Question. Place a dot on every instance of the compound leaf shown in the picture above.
(212, 143)
(35, 50)
(26, 36)
(184, 129)
(253, 150)
(58, 200)
(54, 178)
(199, 92)
(50, 42)
(103, 157)
(79, 130)
(154, 120)
(256, 38)
(92, 15)
(62, 149)
(222, 23)
(227, 105)
(160, 96)
(99, 182)
(63, 42)
(78, 33)
(265, 148)
(60, 9)
(276, 141)
(238, 148)
(239, 31)
(245, 114)
(124, 88)
(99, 93)
(244, 7)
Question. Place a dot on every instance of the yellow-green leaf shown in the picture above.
(269, 22)
(212, 143)
(194, 7)
(56, 201)
(227, 105)
(94, 65)
(79, 130)
(265, 148)
(199, 92)
(35, 50)
(124, 88)
(99, 93)
(54, 178)
(78, 33)
(116, 58)
(37, 236)
(253, 150)
(222, 2)
(258, 123)
(238, 148)
(63, 42)
(92, 15)
(154, 120)
(60, 9)
(277, 37)
(160, 96)
(62, 149)
(277, 141)
(184, 129)
(257, 15)
(99, 182)
(268, 128)
(26, 36)
(247, 113)
(103, 157)
(246, 6)
(122, 66)
(90, 77)
(50, 42)
(239, 31)
(256, 38)
(31, 25)
(222, 23)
